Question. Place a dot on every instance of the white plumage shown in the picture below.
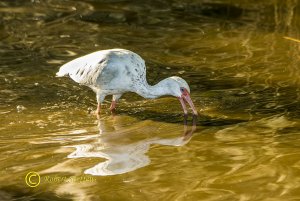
(116, 71)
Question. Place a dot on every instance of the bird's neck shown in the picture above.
(155, 91)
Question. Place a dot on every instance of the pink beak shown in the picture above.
(186, 97)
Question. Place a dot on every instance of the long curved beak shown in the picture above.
(187, 98)
(183, 105)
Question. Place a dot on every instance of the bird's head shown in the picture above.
(180, 89)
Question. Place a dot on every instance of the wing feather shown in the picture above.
(84, 70)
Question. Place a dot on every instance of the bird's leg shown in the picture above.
(98, 108)
(115, 98)
(113, 105)
(100, 98)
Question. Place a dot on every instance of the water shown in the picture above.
(244, 77)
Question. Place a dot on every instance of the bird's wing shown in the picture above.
(84, 70)
(109, 68)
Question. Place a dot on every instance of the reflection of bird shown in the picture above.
(116, 71)
(126, 155)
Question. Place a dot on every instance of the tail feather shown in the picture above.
(61, 74)
(63, 71)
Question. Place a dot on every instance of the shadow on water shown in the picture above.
(168, 117)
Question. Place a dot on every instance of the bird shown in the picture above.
(117, 71)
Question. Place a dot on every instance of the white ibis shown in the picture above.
(116, 71)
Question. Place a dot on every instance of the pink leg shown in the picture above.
(113, 105)
(98, 109)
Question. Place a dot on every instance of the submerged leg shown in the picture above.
(115, 98)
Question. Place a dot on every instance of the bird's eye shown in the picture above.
(181, 89)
